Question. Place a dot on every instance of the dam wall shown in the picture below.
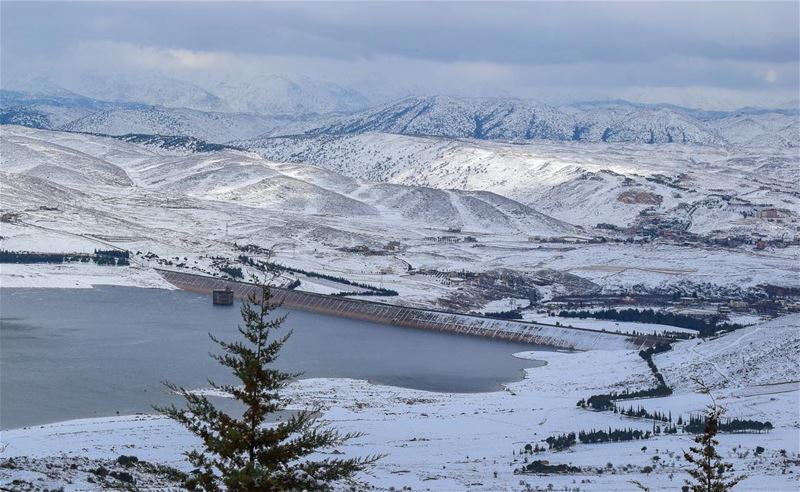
(377, 312)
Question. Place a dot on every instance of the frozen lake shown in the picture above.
(76, 353)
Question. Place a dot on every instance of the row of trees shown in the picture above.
(606, 401)
(510, 314)
(117, 253)
(234, 272)
(696, 424)
(615, 435)
(641, 412)
(564, 441)
(705, 327)
(532, 449)
(100, 257)
(544, 467)
(272, 267)
(561, 441)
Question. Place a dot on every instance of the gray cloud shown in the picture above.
(564, 49)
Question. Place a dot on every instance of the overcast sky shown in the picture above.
(716, 54)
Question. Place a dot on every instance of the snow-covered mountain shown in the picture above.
(759, 130)
(275, 95)
(50, 107)
(283, 95)
(147, 89)
(315, 109)
(213, 127)
(522, 120)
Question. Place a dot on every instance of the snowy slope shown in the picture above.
(231, 176)
(24, 154)
(754, 358)
(770, 130)
(213, 127)
(521, 120)
(577, 182)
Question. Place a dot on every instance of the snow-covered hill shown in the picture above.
(578, 182)
(738, 361)
(25, 154)
(50, 108)
(522, 120)
(89, 163)
(766, 130)
(213, 127)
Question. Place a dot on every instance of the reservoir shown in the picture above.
(80, 353)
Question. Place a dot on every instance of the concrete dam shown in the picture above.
(560, 337)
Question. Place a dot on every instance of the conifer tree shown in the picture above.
(709, 472)
(258, 451)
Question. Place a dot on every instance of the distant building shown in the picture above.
(769, 213)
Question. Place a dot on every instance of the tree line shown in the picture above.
(99, 257)
(561, 441)
(234, 272)
(641, 412)
(697, 423)
(606, 401)
(564, 441)
(270, 266)
(705, 327)
(612, 435)
(544, 467)
(510, 314)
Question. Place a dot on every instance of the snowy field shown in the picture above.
(600, 324)
(438, 441)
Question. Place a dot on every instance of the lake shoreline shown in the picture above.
(71, 353)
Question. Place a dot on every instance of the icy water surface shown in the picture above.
(77, 353)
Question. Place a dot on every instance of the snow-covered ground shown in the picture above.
(79, 276)
(578, 182)
(437, 441)
(612, 326)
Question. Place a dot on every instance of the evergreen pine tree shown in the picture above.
(709, 472)
(258, 452)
